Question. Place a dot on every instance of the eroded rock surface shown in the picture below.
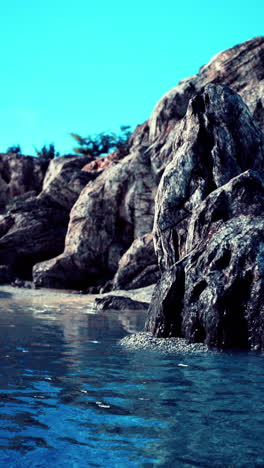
(209, 229)
(218, 139)
(138, 266)
(18, 175)
(116, 209)
(34, 227)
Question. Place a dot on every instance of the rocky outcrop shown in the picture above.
(116, 209)
(18, 175)
(34, 227)
(65, 179)
(217, 140)
(209, 228)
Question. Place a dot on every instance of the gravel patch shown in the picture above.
(145, 341)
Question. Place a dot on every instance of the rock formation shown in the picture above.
(19, 175)
(118, 207)
(33, 228)
(209, 228)
(89, 224)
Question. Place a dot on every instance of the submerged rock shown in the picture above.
(111, 302)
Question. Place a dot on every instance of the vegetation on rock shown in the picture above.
(102, 143)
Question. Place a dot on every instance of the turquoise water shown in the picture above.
(70, 396)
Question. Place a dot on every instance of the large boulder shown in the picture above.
(65, 179)
(217, 140)
(116, 209)
(209, 229)
(215, 295)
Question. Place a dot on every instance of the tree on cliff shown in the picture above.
(47, 152)
(14, 149)
(102, 143)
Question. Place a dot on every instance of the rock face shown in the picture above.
(217, 140)
(209, 228)
(118, 208)
(19, 175)
(138, 266)
(34, 227)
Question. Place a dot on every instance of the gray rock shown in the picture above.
(118, 207)
(19, 174)
(217, 140)
(215, 295)
(34, 228)
(111, 302)
(147, 342)
(138, 267)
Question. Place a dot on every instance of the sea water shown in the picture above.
(71, 396)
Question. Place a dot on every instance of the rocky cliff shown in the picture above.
(200, 156)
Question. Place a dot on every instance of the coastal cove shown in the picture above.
(71, 395)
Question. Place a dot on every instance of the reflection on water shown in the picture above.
(70, 396)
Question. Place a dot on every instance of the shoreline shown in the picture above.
(60, 296)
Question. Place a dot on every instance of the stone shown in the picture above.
(115, 209)
(209, 232)
(19, 175)
(215, 295)
(138, 266)
(111, 302)
(65, 179)
(31, 232)
(34, 228)
(217, 140)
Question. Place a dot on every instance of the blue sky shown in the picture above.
(86, 67)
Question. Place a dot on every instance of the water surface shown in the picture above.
(71, 396)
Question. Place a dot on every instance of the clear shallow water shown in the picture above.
(70, 396)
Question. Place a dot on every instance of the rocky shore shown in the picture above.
(182, 208)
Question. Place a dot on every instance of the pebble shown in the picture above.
(146, 341)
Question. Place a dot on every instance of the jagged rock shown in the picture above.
(209, 228)
(118, 303)
(138, 267)
(31, 232)
(240, 67)
(215, 295)
(118, 207)
(18, 175)
(34, 228)
(217, 140)
(65, 180)
(111, 212)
